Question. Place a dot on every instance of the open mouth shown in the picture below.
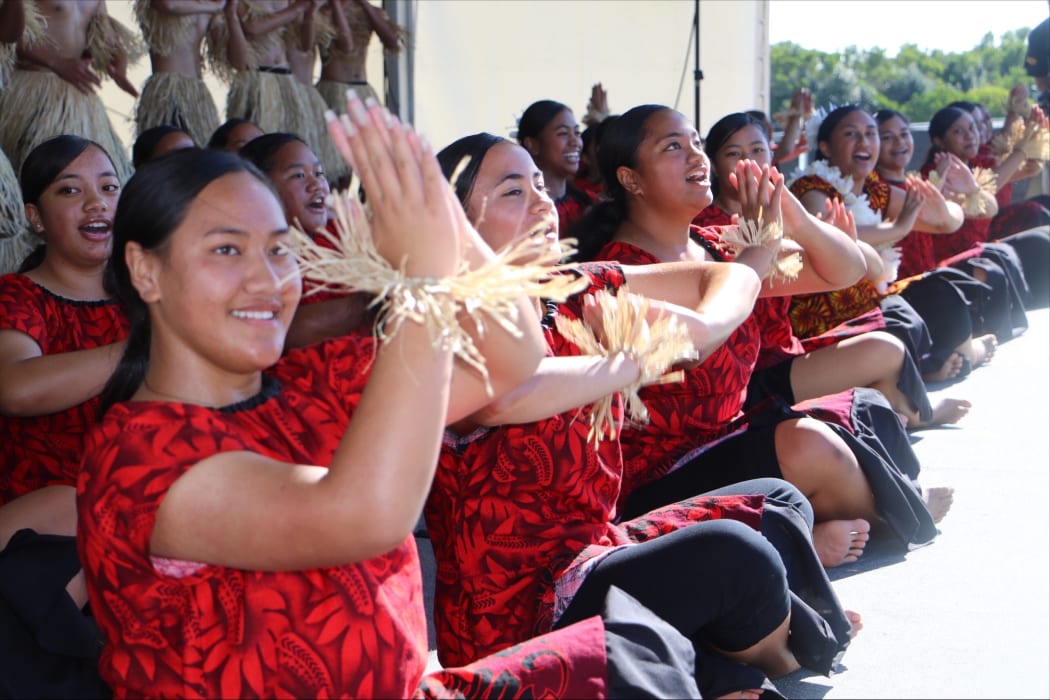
(97, 230)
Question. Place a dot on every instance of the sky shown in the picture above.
(888, 24)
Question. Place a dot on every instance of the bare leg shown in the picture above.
(820, 464)
(770, 654)
(51, 510)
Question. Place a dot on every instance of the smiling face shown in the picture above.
(223, 289)
(75, 213)
(672, 173)
(896, 144)
(557, 148)
(854, 145)
(300, 180)
(747, 142)
(961, 139)
(509, 199)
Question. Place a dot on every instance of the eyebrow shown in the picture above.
(78, 176)
(302, 164)
(241, 232)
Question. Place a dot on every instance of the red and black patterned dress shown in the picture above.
(519, 514)
(186, 629)
(693, 412)
(571, 206)
(38, 451)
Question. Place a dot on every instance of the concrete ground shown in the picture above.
(967, 616)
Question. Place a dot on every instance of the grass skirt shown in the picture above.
(178, 100)
(38, 105)
(334, 93)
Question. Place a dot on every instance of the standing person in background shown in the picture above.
(252, 56)
(343, 61)
(302, 40)
(16, 239)
(53, 87)
(175, 93)
(549, 132)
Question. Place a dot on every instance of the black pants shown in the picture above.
(718, 582)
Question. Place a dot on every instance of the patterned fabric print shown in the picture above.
(917, 254)
(692, 412)
(1017, 217)
(39, 451)
(352, 631)
(571, 206)
(310, 283)
(779, 341)
(510, 508)
(865, 323)
(567, 663)
(592, 190)
(816, 314)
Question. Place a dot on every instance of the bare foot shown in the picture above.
(855, 623)
(938, 501)
(983, 349)
(948, 411)
(840, 541)
(949, 370)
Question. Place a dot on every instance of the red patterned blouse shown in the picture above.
(779, 341)
(40, 451)
(685, 415)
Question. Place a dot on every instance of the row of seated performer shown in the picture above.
(206, 458)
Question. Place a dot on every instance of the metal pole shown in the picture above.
(698, 74)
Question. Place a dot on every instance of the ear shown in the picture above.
(531, 145)
(142, 268)
(822, 146)
(628, 180)
(34, 219)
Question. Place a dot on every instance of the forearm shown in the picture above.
(50, 383)
(828, 252)
(264, 24)
(384, 28)
(560, 384)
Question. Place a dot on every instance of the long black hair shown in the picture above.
(152, 205)
(620, 140)
(40, 168)
(262, 150)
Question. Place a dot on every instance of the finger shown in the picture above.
(338, 128)
(407, 164)
(369, 152)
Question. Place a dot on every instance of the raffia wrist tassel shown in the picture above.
(748, 233)
(973, 203)
(350, 262)
(654, 347)
(1035, 143)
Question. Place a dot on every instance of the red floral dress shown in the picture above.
(693, 412)
(38, 451)
(518, 514)
(186, 629)
(917, 255)
(815, 314)
(779, 341)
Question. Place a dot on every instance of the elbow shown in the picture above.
(16, 404)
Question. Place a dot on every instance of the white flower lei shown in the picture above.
(863, 214)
